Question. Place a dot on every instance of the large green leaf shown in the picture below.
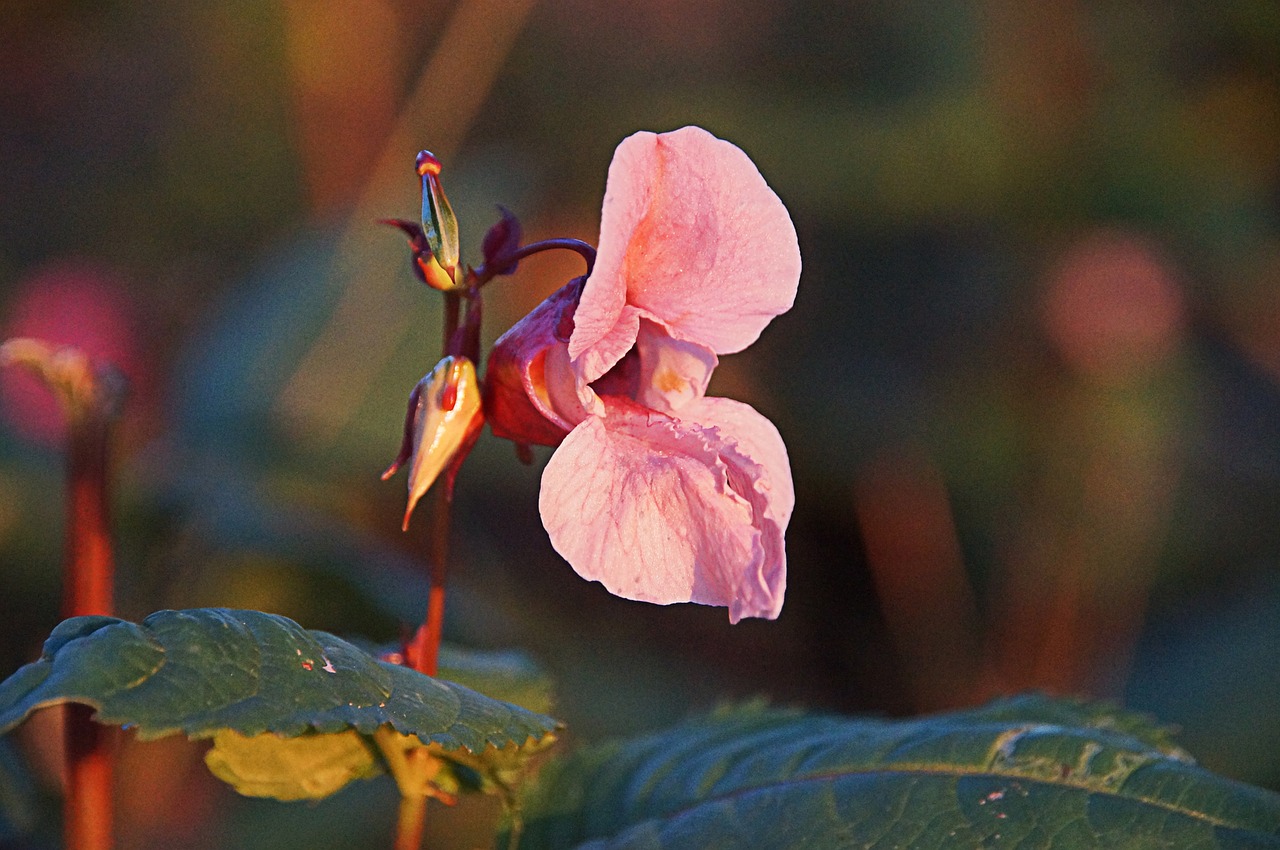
(1027, 772)
(295, 714)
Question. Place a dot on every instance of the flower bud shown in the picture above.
(439, 224)
(80, 385)
(443, 424)
(529, 388)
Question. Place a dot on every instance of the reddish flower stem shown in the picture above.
(88, 807)
(438, 543)
(483, 274)
(90, 564)
(587, 252)
(452, 305)
(424, 650)
(88, 589)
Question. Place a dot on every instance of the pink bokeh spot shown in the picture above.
(1114, 308)
(655, 490)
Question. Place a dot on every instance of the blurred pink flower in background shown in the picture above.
(657, 491)
(67, 302)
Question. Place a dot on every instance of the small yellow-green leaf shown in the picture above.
(308, 767)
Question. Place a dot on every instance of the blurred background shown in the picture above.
(1030, 386)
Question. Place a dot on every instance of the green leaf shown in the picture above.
(280, 701)
(1026, 772)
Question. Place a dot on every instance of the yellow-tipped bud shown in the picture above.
(447, 419)
(439, 224)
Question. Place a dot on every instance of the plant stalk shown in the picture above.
(424, 652)
(88, 818)
(90, 563)
(410, 822)
(88, 822)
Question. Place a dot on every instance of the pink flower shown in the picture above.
(657, 491)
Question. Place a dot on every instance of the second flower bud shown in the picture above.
(445, 417)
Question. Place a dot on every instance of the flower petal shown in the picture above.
(610, 348)
(597, 343)
(756, 438)
(649, 506)
(693, 238)
(672, 372)
(760, 472)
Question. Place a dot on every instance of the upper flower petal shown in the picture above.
(693, 238)
(661, 510)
